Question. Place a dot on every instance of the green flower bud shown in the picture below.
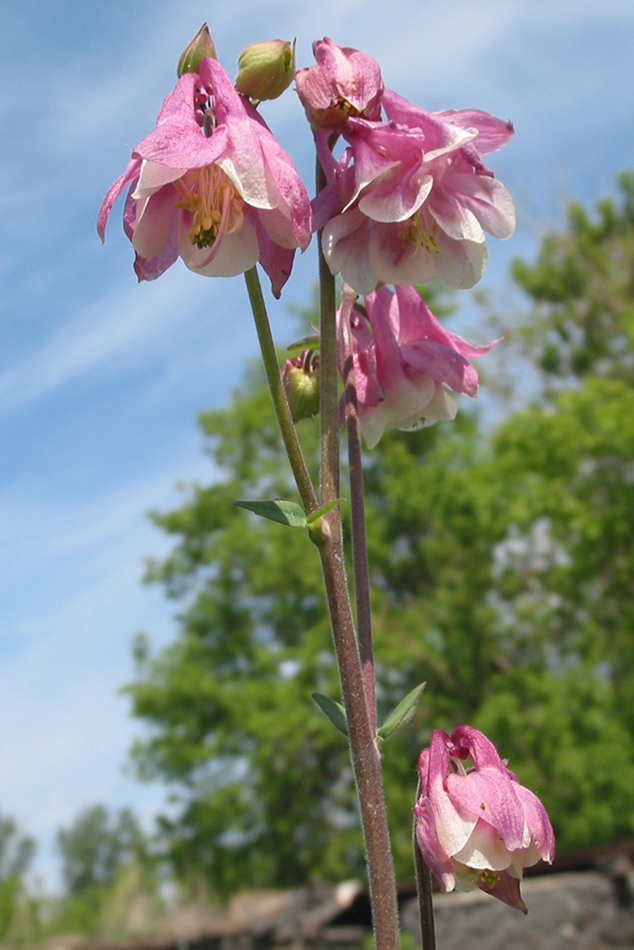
(266, 69)
(300, 376)
(200, 48)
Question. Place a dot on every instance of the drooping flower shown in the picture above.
(344, 83)
(410, 198)
(403, 359)
(478, 827)
(211, 184)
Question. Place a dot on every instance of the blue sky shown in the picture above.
(101, 378)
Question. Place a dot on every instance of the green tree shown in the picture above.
(96, 845)
(581, 288)
(17, 912)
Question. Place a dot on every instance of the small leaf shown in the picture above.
(312, 518)
(284, 512)
(335, 712)
(403, 712)
(306, 343)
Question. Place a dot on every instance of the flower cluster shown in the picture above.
(478, 827)
(408, 200)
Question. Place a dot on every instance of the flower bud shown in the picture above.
(300, 376)
(266, 69)
(345, 83)
(201, 47)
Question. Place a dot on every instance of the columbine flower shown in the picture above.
(410, 198)
(478, 827)
(403, 358)
(211, 184)
(344, 83)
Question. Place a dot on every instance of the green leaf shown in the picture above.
(335, 712)
(316, 515)
(306, 343)
(403, 712)
(284, 512)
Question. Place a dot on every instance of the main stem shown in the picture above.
(366, 761)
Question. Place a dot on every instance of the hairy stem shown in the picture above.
(424, 891)
(357, 507)
(366, 761)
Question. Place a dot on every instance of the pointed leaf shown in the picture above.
(323, 510)
(403, 712)
(284, 512)
(335, 712)
(306, 343)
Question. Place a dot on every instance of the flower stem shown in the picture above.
(424, 891)
(278, 395)
(357, 507)
(365, 757)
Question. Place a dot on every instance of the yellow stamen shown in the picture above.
(346, 107)
(413, 232)
(204, 194)
(489, 878)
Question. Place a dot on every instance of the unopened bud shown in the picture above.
(201, 47)
(266, 69)
(300, 376)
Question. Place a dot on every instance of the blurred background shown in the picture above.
(501, 545)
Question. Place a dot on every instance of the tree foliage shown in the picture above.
(97, 845)
(501, 566)
(16, 853)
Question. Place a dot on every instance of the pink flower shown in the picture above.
(344, 83)
(410, 198)
(478, 827)
(403, 359)
(211, 184)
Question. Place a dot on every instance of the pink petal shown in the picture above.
(451, 214)
(277, 261)
(484, 850)
(153, 225)
(395, 261)
(507, 890)
(488, 200)
(492, 133)
(479, 747)
(113, 193)
(345, 246)
(150, 269)
(538, 823)
(489, 794)
(232, 254)
(432, 850)
(460, 264)
(152, 177)
(443, 364)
